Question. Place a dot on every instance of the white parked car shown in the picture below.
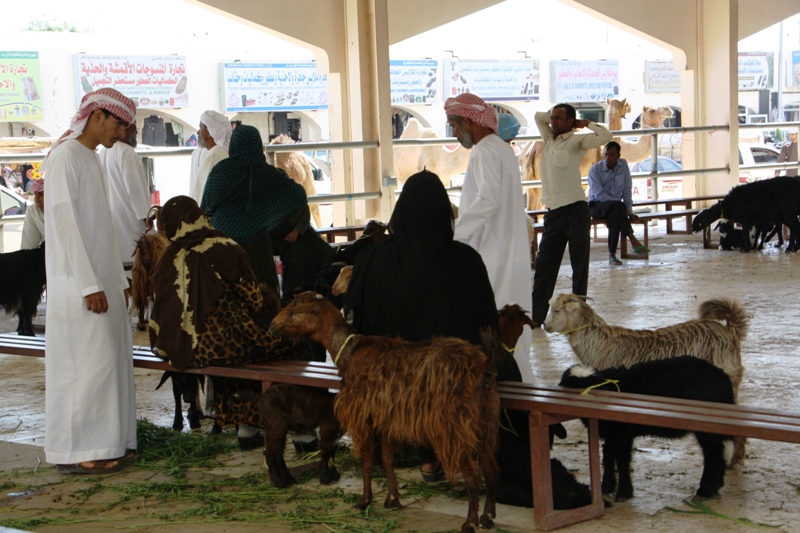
(13, 208)
(667, 187)
(753, 154)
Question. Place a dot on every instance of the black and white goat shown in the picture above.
(683, 377)
(22, 293)
(772, 201)
(732, 238)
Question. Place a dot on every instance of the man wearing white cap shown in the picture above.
(128, 191)
(789, 154)
(90, 405)
(215, 135)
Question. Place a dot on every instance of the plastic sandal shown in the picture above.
(641, 250)
(614, 261)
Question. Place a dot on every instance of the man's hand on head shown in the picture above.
(580, 124)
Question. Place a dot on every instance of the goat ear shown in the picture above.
(572, 305)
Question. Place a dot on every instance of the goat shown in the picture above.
(148, 251)
(292, 407)
(184, 386)
(22, 295)
(772, 201)
(439, 392)
(685, 377)
(339, 286)
(732, 238)
(601, 346)
(514, 485)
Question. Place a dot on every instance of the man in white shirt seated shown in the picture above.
(215, 135)
(610, 199)
(33, 226)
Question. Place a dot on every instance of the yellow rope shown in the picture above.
(615, 382)
(510, 427)
(342, 348)
(506, 348)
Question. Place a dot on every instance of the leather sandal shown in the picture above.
(98, 467)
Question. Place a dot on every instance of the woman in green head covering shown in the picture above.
(262, 209)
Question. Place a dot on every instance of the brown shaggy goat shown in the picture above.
(292, 407)
(716, 336)
(440, 393)
(149, 249)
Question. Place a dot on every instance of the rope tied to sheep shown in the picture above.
(506, 348)
(336, 360)
(614, 382)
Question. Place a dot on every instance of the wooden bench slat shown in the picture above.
(546, 406)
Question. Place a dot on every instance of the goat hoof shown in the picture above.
(329, 477)
(486, 522)
(215, 430)
(392, 503)
(141, 327)
(466, 528)
(363, 503)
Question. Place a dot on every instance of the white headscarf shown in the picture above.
(218, 126)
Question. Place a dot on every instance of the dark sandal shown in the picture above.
(98, 468)
(432, 477)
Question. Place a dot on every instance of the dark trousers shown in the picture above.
(562, 226)
(616, 216)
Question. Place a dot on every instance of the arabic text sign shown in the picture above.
(255, 87)
(583, 81)
(661, 78)
(492, 79)
(755, 71)
(414, 81)
(20, 99)
(150, 81)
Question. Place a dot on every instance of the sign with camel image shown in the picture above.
(492, 79)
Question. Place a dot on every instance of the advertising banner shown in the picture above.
(755, 71)
(20, 87)
(414, 81)
(583, 81)
(255, 87)
(794, 72)
(661, 78)
(492, 79)
(150, 81)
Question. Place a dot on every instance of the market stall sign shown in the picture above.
(150, 81)
(20, 87)
(256, 87)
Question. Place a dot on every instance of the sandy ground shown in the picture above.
(641, 294)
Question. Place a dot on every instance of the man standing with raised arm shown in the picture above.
(568, 218)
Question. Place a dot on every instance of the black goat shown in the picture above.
(184, 386)
(514, 486)
(684, 377)
(22, 293)
(770, 201)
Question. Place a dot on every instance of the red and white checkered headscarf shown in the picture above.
(474, 108)
(106, 98)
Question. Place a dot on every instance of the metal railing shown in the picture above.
(654, 174)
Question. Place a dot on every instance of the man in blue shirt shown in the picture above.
(610, 199)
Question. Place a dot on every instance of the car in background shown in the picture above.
(13, 207)
(667, 187)
(754, 154)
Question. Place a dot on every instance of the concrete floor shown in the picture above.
(663, 290)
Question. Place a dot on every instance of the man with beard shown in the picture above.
(568, 216)
(128, 191)
(492, 209)
(215, 136)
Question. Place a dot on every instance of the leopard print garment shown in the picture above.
(232, 337)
